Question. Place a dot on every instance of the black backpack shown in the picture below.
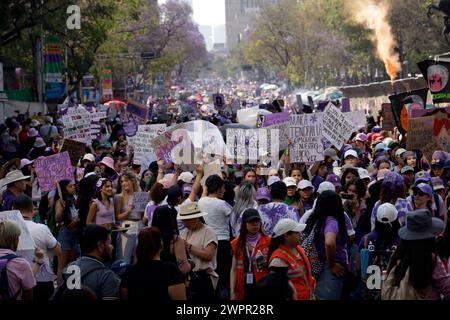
(4, 283)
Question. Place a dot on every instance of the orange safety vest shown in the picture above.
(299, 271)
(263, 246)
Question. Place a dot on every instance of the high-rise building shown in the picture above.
(238, 17)
(207, 32)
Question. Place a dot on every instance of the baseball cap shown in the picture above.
(272, 180)
(437, 183)
(263, 193)
(393, 144)
(326, 186)
(361, 137)
(425, 188)
(406, 169)
(350, 153)
(381, 147)
(381, 173)
(439, 155)
(25, 162)
(89, 156)
(393, 180)
(305, 184)
(334, 179)
(400, 152)
(422, 176)
(250, 214)
(363, 173)
(330, 152)
(408, 154)
(186, 177)
(285, 225)
(289, 182)
(387, 213)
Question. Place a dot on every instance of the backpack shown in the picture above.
(309, 245)
(4, 283)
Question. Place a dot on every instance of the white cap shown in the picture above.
(305, 184)
(186, 177)
(326, 186)
(387, 213)
(272, 180)
(286, 225)
(399, 152)
(363, 174)
(24, 162)
(289, 182)
(350, 152)
(89, 156)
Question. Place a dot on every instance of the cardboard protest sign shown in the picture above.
(436, 73)
(142, 144)
(210, 169)
(52, 169)
(388, 122)
(420, 132)
(337, 128)
(139, 111)
(163, 144)
(140, 200)
(306, 136)
(357, 117)
(75, 149)
(278, 121)
(403, 103)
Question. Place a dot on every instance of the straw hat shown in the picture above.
(190, 211)
(11, 177)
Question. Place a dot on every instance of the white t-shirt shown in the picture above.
(218, 217)
(46, 242)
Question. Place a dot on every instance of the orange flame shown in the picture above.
(392, 68)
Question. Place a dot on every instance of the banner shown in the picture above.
(140, 200)
(306, 136)
(357, 117)
(139, 111)
(75, 149)
(278, 121)
(55, 88)
(87, 87)
(436, 73)
(388, 122)
(403, 103)
(337, 128)
(52, 169)
(106, 85)
(420, 132)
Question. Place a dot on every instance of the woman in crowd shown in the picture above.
(163, 277)
(157, 195)
(245, 198)
(327, 221)
(355, 206)
(101, 210)
(145, 179)
(66, 215)
(250, 251)
(285, 251)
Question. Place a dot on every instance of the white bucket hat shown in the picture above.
(190, 211)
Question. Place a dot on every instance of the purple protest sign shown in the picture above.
(321, 105)
(52, 169)
(345, 105)
(130, 127)
(138, 110)
(275, 118)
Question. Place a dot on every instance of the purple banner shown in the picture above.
(275, 118)
(52, 169)
(138, 110)
(345, 105)
(418, 113)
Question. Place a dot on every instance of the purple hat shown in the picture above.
(361, 137)
(437, 183)
(263, 193)
(187, 188)
(422, 176)
(334, 179)
(425, 188)
(408, 154)
(393, 180)
(376, 129)
(439, 155)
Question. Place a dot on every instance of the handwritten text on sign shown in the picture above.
(306, 137)
(337, 128)
(52, 169)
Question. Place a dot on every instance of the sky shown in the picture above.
(208, 12)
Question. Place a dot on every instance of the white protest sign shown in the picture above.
(337, 128)
(140, 200)
(77, 127)
(26, 242)
(236, 145)
(156, 128)
(142, 146)
(357, 117)
(306, 137)
(278, 121)
(97, 116)
(248, 116)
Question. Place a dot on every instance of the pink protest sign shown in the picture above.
(52, 169)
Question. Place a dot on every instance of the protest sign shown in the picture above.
(77, 127)
(130, 127)
(278, 121)
(142, 147)
(140, 200)
(155, 129)
(219, 101)
(75, 149)
(210, 169)
(52, 169)
(345, 105)
(163, 144)
(436, 73)
(337, 128)
(357, 117)
(248, 116)
(403, 104)
(306, 136)
(388, 122)
(420, 132)
(139, 111)
(236, 145)
(26, 242)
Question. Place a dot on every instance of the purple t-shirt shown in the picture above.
(332, 226)
(7, 201)
(272, 212)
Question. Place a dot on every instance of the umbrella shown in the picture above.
(115, 104)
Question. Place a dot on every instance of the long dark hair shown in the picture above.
(391, 195)
(242, 239)
(69, 200)
(149, 244)
(417, 255)
(164, 218)
(387, 233)
(98, 194)
(329, 204)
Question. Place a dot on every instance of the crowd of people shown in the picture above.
(301, 232)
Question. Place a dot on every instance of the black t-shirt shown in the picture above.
(150, 281)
